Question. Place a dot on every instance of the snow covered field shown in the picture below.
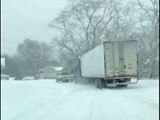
(48, 100)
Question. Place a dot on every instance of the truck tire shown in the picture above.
(99, 83)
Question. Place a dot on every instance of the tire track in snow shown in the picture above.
(26, 113)
(91, 106)
(97, 96)
(76, 93)
(54, 106)
(144, 100)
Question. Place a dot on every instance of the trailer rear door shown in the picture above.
(112, 62)
(130, 58)
(120, 58)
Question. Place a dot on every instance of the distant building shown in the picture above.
(2, 62)
(3, 65)
(49, 72)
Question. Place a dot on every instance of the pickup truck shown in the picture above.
(65, 78)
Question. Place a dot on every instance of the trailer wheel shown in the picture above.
(99, 83)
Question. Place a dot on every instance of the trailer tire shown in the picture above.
(99, 83)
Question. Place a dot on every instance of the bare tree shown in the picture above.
(83, 24)
(149, 28)
(34, 55)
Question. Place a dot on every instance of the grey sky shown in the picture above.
(22, 19)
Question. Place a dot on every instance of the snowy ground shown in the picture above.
(48, 100)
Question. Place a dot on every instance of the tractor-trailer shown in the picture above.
(113, 63)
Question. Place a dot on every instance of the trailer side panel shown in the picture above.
(92, 63)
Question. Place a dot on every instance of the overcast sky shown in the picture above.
(22, 19)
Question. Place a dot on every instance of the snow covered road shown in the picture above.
(48, 100)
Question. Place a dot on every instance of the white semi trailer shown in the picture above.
(114, 63)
